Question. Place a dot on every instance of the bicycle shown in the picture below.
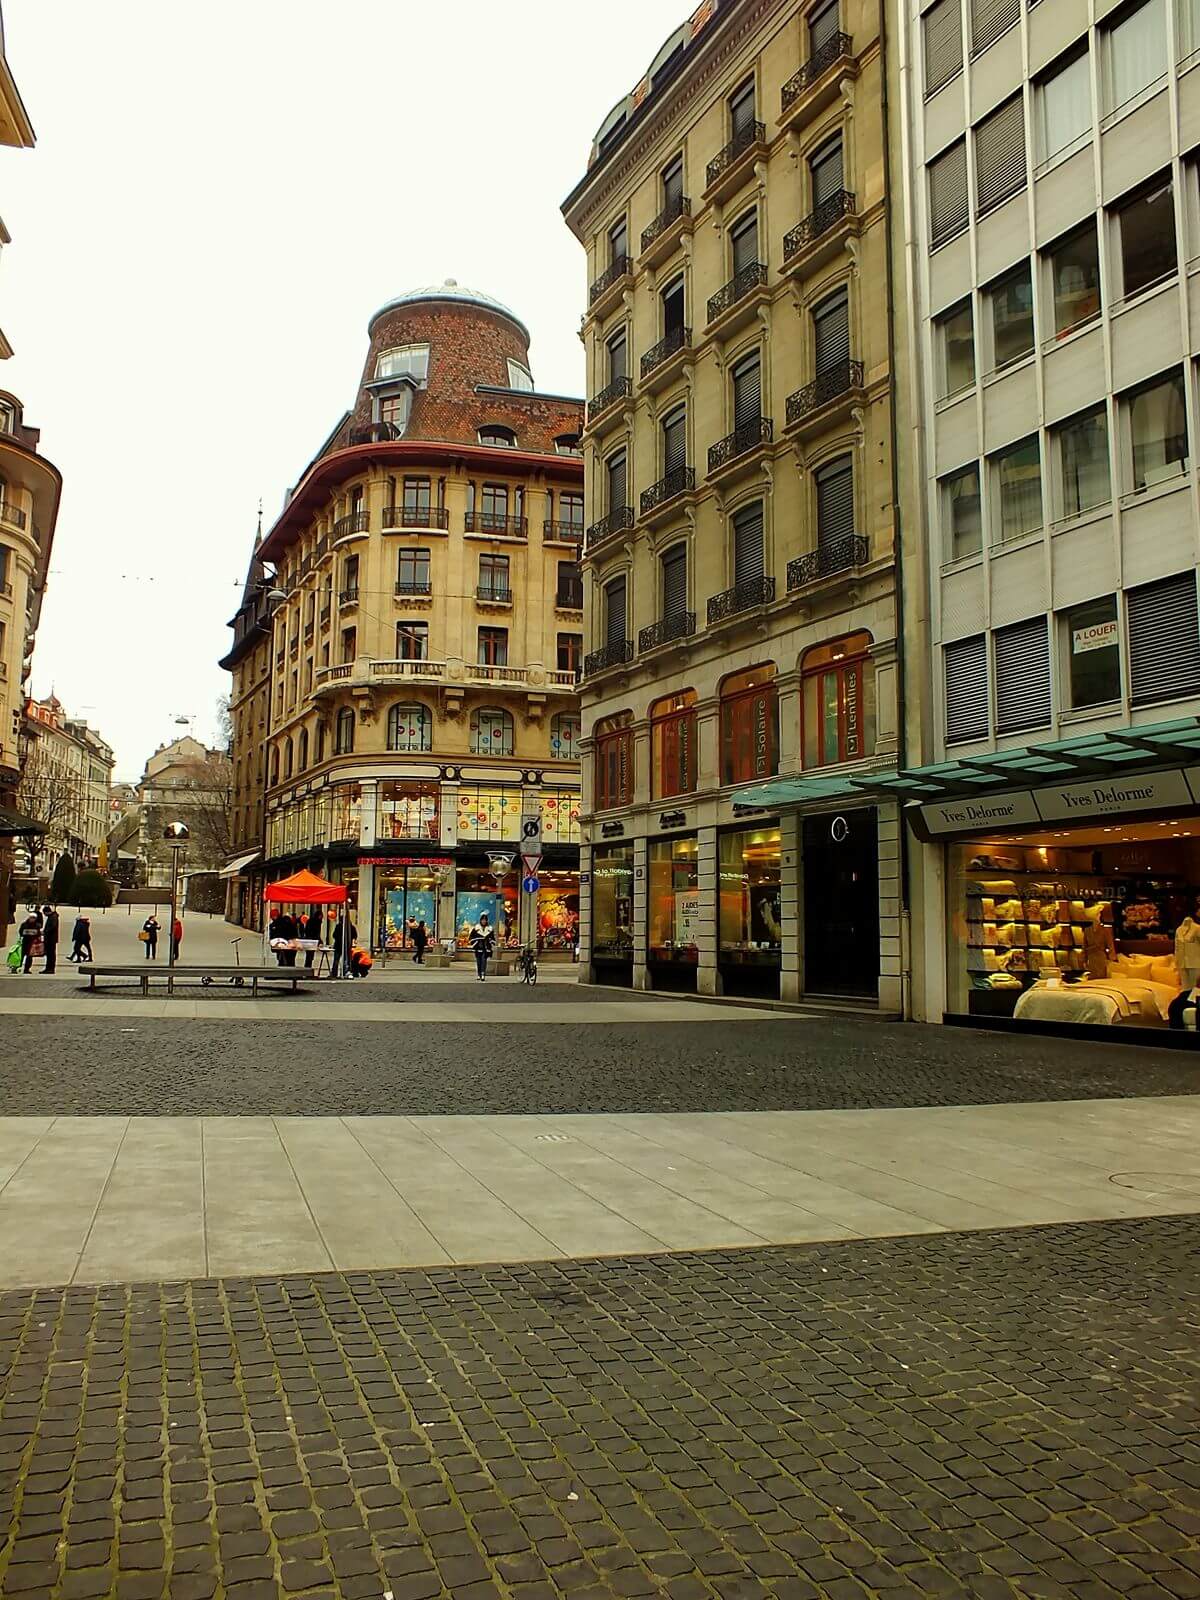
(527, 964)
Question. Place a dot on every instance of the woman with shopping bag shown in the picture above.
(31, 940)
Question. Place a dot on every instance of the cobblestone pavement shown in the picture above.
(988, 1415)
(54, 1066)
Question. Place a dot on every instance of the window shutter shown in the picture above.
(1000, 155)
(745, 245)
(673, 184)
(835, 501)
(618, 363)
(674, 581)
(747, 393)
(943, 43)
(966, 689)
(948, 193)
(748, 544)
(1022, 676)
(1164, 640)
(617, 497)
(675, 442)
(614, 620)
(831, 331)
(827, 174)
(741, 108)
(991, 18)
(822, 25)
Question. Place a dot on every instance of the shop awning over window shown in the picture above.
(1123, 750)
(239, 864)
(15, 826)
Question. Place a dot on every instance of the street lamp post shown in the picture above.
(176, 836)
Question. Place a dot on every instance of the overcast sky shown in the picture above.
(220, 197)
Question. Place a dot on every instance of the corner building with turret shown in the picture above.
(421, 596)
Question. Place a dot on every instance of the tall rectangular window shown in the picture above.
(570, 509)
(822, 26)
(1135, 52)
(954, 332)
(831, 333)
(826, 170)
(1091, 644)
(570, 653)
(615, 612)
(835, 501)
(1164, 640)
(1075, 271)
(744, 240)
(673, 579)
(412, 641)
(569, 590)
(747, 391)
(1063, 98)
(618, 497)
(1000, 155)
(748, 555)
(618, 241)
(673, 307)
(674, 441)
(349, 644)
(416, 495)
(948, 194)
(991, 18)
(1083, 462)
(494, 577)
(494, 503)
(672, 183)
(965, 666)
(1010, 302)
(963, 513)
(618, 357)
(1146, 221)
(1157, 421)
(493, 647)
(1018, 477)
(413, 572)
(741, 108)
(1022, 655)
(942, 30)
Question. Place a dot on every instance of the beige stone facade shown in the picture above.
(65, 782)
(740, 582)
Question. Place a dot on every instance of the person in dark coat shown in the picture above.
(30, 932)
(420, 938)
(50, 937)
(313, 924)
(150, 928)
(340, 967)
(283, 926)
(483, 942)
(81, 940)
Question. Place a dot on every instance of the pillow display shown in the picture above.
(1135, 966)
(1164, 970)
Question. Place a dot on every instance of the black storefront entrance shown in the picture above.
(841, 904)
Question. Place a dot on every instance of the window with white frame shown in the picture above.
(1000, 155)
(962, 513)
(954, 333)
(1091, 651)
(1135, 52)
(519, 376)
(965, 668)
(1010, 314)
(942, 30)
(991, 18)
(1022, 661)
(1017, 480)
(1164, 639)
(1145, 223)
(948, 194)
(404, 361)
(1084, 478)
(1063, 100)
(1075, 279)
(1155, 416)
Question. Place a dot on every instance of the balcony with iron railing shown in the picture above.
(418, 588)
(730, 167)
(822, 234)
(12, 515)
(659, 498)
(494, 594)
(745, 596)
(606, 288)
(349, 595)
(665, 232)
(735, 303)
(667, 630)
(416, 516)
(816, 85)
(739, 448)
(356, 522)
(491, 522)
(614, 654)
(617, 521)
(663, 361)
(825, 400)
(563, 532)
(569, 597)
(607, 408)
(834, 556)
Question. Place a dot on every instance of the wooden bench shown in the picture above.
(145, 973)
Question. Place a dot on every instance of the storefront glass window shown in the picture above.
(406, 897)
(558, 911)
(749, 925)
(749, 725)
(560, 817)
(613, 757)
(493, 814)
(564, 736)
(673, 744)
(477, 893)
(839, 701)
(673, 902)
(612, 903)
(1093, 651)
(320, 818)
(408, 811)
(345, 811)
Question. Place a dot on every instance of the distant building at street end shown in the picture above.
(183, 781)
(741, 669)
(412, 696)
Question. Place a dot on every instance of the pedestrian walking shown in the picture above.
(283, 926)
(31, 933)
(50, 938)
(81, 940)
(420, 938)
(339, 965)
(483, 942)
(149, 936)
(313, 924)
(176, 938)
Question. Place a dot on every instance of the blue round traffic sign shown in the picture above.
(531, 885)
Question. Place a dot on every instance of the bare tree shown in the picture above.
(209, 805)
(48, 793)
(224, 723)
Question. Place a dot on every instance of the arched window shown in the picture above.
(409, 728)
(673, 744)
(564, 736)
(838, 701)
(567, 444)
(302, 759)
(749, 725)
(499, 437)
(613, 758)
(491, 732)
(343, 741)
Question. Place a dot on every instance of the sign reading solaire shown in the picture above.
(749, 726)
(1126, 797)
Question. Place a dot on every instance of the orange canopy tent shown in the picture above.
(306, 889)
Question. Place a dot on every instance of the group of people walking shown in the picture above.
(38, 935)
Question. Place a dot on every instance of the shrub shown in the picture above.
(62, 884)
(92, 888)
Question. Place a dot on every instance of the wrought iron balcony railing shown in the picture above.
(836, 555)
(11, 514)
(753, 133)
(618, 389)
(739, 286)
(677, 339)
(827, 387)
(819, 62)
(681, 206)
(348, 596)
(677, 482)
(615, 522)
(609, 655)
(679, 625)
(572, 531)
(495, 593)
(619, 266)
(402, 516)
(759, 430)
(492, 522)
(569, 597)
(356, 522)
(831, 210)
(743, 596)
(416, 587)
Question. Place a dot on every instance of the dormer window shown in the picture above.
(567, 444)
(8, 418)
(405, 361)
(499, 438)
(519, 377)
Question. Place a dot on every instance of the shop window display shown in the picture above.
(838, 701)
(489, 814)
(560, 817)
(1082, 925)
(749, 725)
(558, 911)
(613, 757)
(674, 912)
(612, 904)
(406, 896)
(750, 928)
(408, 811)
(345, 811)
(673, 744)
(476, 892)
